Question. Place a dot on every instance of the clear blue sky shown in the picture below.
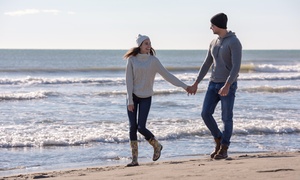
(171, 24)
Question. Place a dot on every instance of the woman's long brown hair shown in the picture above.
(134, 51)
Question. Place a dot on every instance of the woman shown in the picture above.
(142, 66)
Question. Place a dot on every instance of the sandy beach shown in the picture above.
(276, 165)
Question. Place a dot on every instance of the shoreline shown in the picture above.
(280, 165)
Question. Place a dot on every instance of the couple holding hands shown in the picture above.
(223, 58)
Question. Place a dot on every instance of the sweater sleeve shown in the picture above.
(168, 76)
(205, 66)
(236, 58)
(129, 81)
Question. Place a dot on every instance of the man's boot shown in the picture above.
(217, 148)
(222, 153)
(157, 148)
(134, 151)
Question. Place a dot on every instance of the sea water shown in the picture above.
(63, 109)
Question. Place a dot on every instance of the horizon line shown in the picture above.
(129, 48)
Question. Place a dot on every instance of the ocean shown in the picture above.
(63, 109)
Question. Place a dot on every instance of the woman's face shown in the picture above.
(146, 46)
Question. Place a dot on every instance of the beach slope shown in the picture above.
(277, 165)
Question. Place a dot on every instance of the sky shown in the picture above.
(170, 24)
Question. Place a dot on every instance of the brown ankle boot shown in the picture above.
(222, 153)
(217, 148)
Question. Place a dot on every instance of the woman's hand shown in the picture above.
(130, 107)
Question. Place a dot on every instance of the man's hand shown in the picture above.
(224, 90)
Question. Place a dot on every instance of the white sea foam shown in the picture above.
(272, 89)
(268, 76)
(277, 68)
(71, 135)
(62, 80)
(185, 77)
(24, 95)
(21, 96)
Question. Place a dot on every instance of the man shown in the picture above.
(224, 58)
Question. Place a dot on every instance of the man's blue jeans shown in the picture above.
(227, 102)
(138, 118)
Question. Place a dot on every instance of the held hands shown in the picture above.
(192, 89)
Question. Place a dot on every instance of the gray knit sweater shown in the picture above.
(224, 55)
(140, 75)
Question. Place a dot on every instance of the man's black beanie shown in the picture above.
(219, 20)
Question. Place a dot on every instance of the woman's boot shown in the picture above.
(217, 148)
(157, 148)
(134, 151)
(222, 153)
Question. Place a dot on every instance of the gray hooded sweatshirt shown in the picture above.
(224, 56)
